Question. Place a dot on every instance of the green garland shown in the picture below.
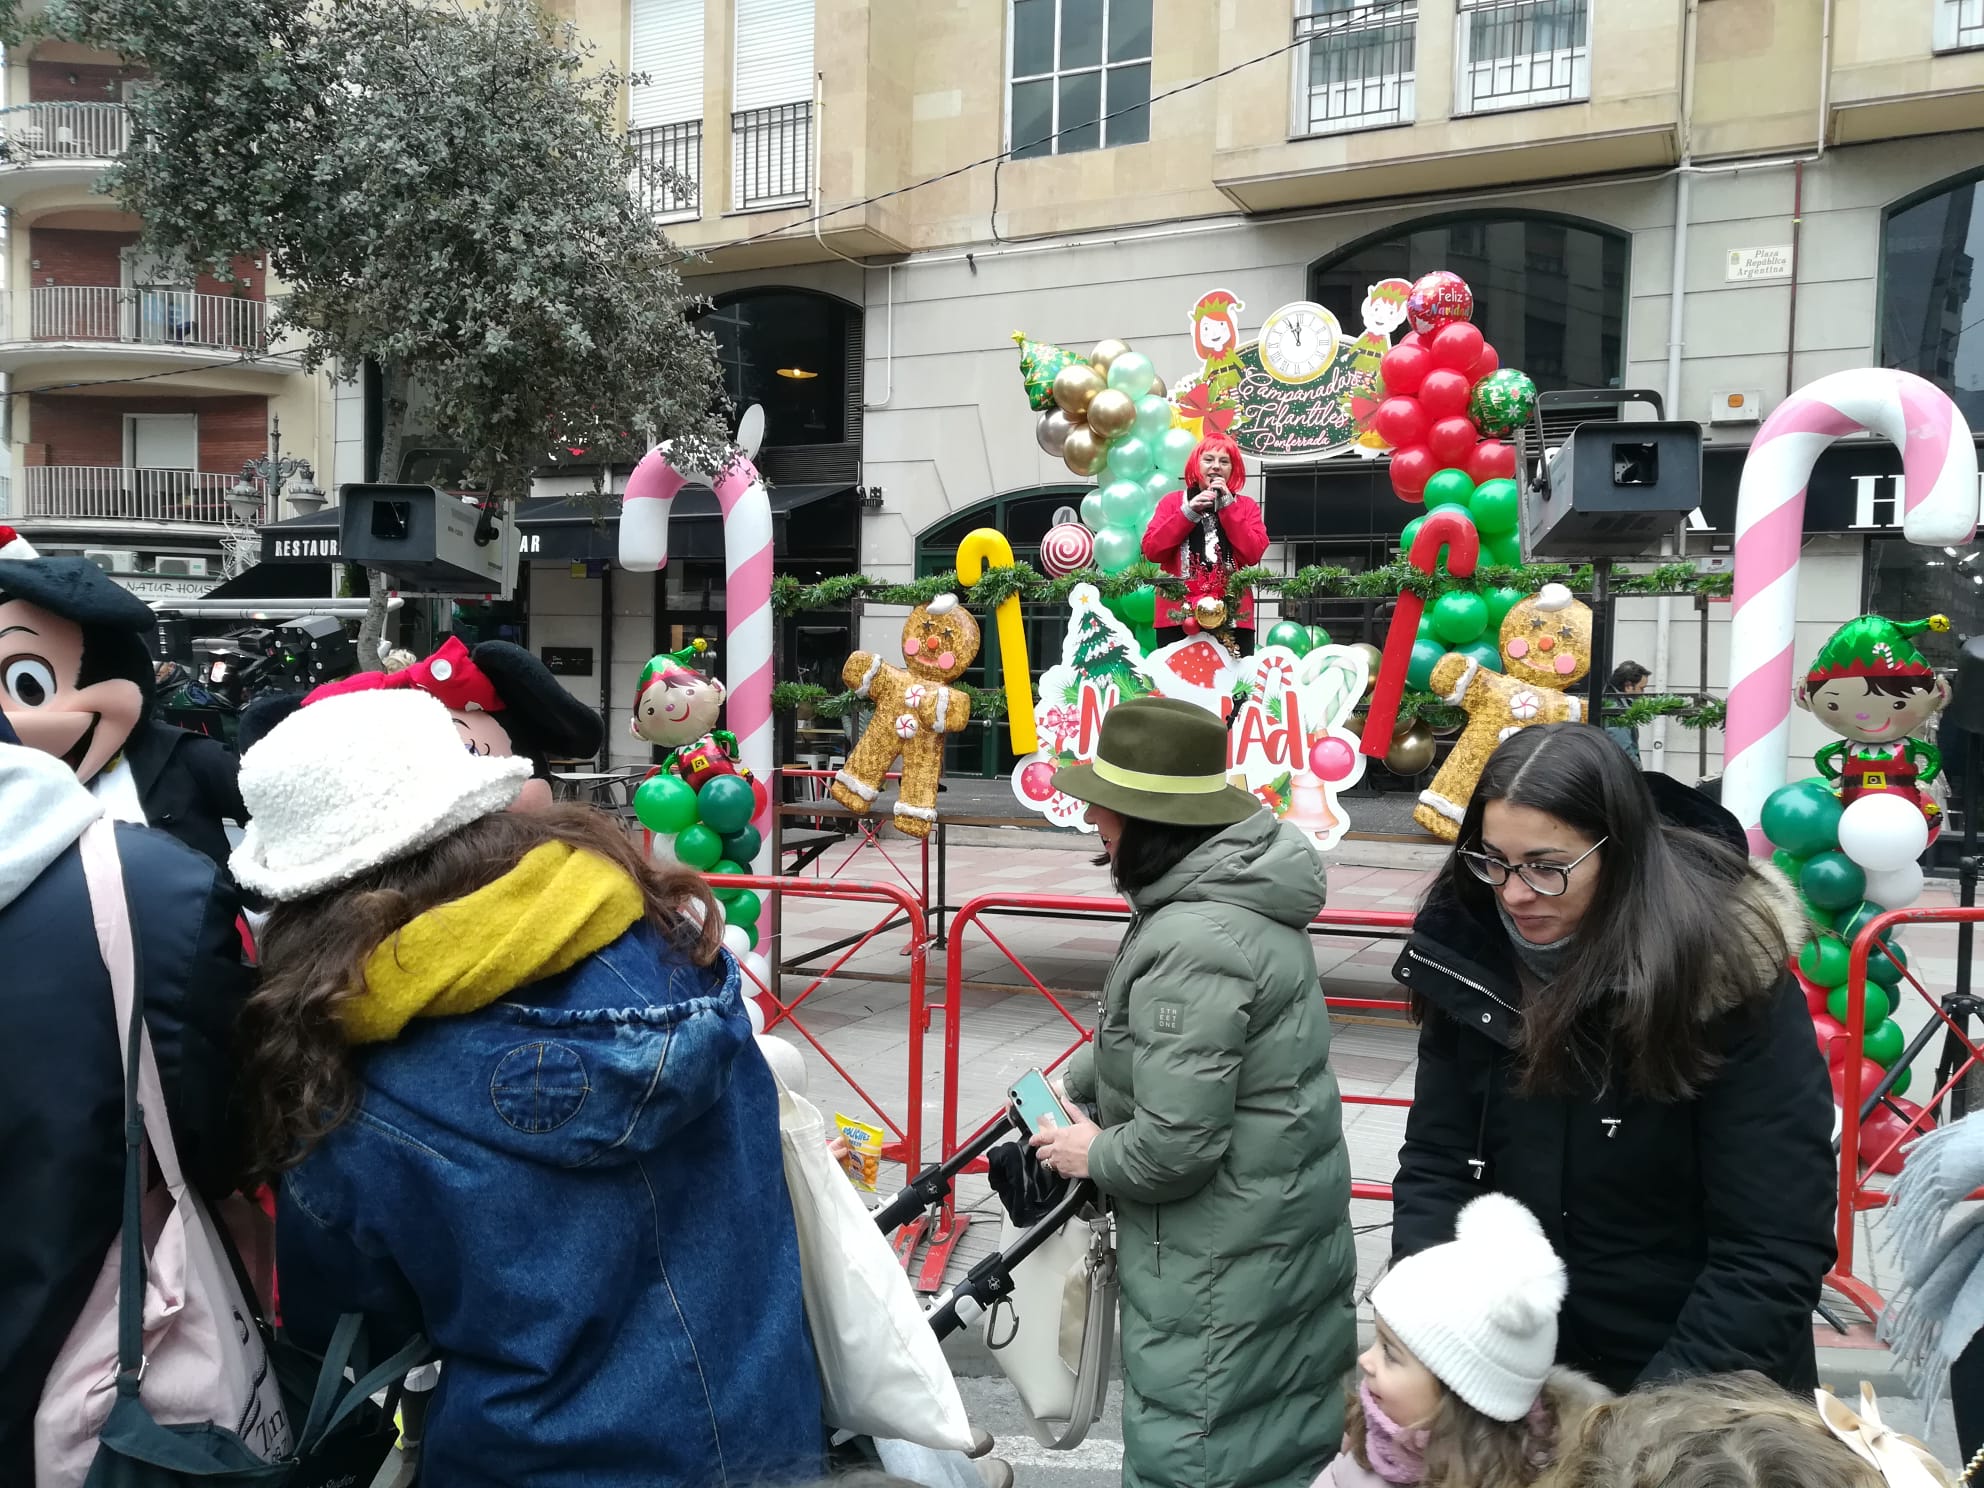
(1689, 712)
(1315, 582)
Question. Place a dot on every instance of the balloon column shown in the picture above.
(1444, 401)
(700, 811)
(1107, 416)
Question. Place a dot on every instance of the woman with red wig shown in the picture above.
(1203, 534)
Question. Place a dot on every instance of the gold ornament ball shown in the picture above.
(1111, 412)
(1210, 613)
(1106, 352)
(1411, 752)
(1075, 386)
(1082, 451)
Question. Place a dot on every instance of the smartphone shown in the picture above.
(1033, 1098)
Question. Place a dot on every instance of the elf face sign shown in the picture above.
(43, 694)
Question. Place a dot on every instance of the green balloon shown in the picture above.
(743, 909)
(1505, 550)
(1290, 633)
(1448, 488)
(1833, 881)
(1132, 373)
(742, 846)
(1496, 507)
(1411, 531)
(1802, 818)
(1459, 616)
(1881, 1003)
(726, 804)
(1425, 630)
(1173, 450)
(1122, 500)
(1501, 402)
(1885, 973)
(725, 868)
(1156, 486)
(665, 804)
(1318, 637)
(1863, 915)
(1092, 512)
(1884, 1042)
(1130, 459)
(1500, 602)
(1116, 549)
(1789, 864)
(1140, 606)
(1484, 653)
(1902, 1082)
(1425, 656)
(698, 846)
(1823, 961)
(1153, 418)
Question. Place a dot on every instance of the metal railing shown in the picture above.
(669, 178)
(771, 156)
(32, 132)
(1521, 53)
(1358, 65)
(119, 493)
(146, 316)
(1959, 25)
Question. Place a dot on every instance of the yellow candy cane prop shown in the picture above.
(982, 547)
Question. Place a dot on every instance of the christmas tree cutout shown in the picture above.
(1101, 666)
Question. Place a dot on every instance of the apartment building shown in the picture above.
(1717, 200)
(141, 393)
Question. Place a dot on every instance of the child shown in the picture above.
(1458, 1388)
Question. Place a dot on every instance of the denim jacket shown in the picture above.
(577, 1194)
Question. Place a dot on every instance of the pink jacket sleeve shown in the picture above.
(1168, 527)
(1347, 1472)
(1246, 534)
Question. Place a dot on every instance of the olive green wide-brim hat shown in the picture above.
(1160, 760)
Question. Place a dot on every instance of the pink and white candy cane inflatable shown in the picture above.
(1939, 509)
(747, 562)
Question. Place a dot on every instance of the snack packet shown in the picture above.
(864, 1151)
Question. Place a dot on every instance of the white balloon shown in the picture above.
(758, 974)
(694, 911)
(1896, 888)
(1883, 833)
(755, 1013)
(737, 941)
(661, 850)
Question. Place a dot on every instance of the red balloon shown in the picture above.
(1457, 344)
(1484, 364)
(1444, 393)
(1452, 441)
(1404, 367)
(1400, 422)
(1411, 469)
(1492, 460)
(1871, 1075)
(1410, 338)
(1816, 997)
(760, 799)
(1831, 1035)
(1878, 1132)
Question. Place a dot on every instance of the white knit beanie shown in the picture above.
(357, 780)
(1480, 1312)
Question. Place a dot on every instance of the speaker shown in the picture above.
(428, 541)
(1614, 490)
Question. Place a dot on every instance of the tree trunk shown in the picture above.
(372, 629)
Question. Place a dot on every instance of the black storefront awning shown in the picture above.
(565, 528)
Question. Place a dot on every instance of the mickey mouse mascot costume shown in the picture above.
(76, 678)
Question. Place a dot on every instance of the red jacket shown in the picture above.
(1242, 534)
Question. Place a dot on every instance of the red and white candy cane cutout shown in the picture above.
(1939, 509)
(1443, 527)
(747, 562)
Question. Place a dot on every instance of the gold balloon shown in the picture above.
(1373, 660)
(1083, 451)
(1159, 390)
(1112, 412)
(1210, 613)
(1106, 352)
(1075, 385)
(1412, 752)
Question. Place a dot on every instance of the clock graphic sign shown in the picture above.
(1298, 343)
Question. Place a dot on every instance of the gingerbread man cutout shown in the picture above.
(1546, 649)
(914, 710)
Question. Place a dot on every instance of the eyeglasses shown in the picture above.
(1547, 879)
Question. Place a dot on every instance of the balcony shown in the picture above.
(59, 146)
(152, 327)
(1403, 98)
(771, 157)
(669, 178)
(94, 494)
(1901, 71)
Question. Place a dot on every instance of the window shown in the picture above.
(771, 123)
(1959, 25)
(791, 351)
(1521, 53)
(665, 107)
(1932, 313)
(1355, 67)
(1080, 74)
(1549, 293)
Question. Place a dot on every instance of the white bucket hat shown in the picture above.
(357, 780)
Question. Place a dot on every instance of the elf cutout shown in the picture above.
(1872, 687)
(676, 707)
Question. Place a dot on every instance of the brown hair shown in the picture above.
(1728, 1431)
(297, 1067)
(1464, 1448)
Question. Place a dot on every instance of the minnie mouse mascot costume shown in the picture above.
(1203, 535)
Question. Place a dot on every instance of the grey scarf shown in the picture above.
(1939, 1307)
(1542, 962)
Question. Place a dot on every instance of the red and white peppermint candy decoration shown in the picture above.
(1525, 705)
(914, 694)
(906, 725)
(1066, 547)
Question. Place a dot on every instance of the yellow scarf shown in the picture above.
(547, 914)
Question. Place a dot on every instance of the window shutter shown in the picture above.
(774, 53)
(668, 47)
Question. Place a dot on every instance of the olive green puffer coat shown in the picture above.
(1222, 1152)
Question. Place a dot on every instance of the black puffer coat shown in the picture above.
(1696, 1234)
(188, 784)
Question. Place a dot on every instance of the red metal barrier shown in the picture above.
(1382, 922)
(907, 1148)
(1857, 1168)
